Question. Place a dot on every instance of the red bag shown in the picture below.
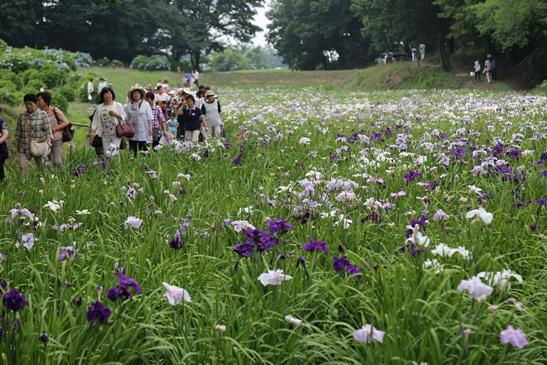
(125, 130)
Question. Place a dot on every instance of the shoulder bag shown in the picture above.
(126, 129)
(68, 131)
(37, 149)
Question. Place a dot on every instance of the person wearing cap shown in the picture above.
(211, 109)
(108, 114)
(139, 113)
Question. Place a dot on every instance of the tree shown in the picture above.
(320, 33)
(201, 23)
(388, 22)
(19, 21)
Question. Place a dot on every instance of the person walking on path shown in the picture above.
(477, 70)
(108, 114)
(58, 122)
(139, 113)
(90, 90)
(488, 70)
(211, 110)
(190, 120)
(33, 125)
(195, 76)
(158, 124)
(422, 51)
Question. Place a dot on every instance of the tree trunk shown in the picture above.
(195, 57)
(443, 52)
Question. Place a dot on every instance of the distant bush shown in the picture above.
(27, 70)
(58, 100)
(152, 63)
(105, 62)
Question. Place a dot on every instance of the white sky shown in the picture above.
(261, 21)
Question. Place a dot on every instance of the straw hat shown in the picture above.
(138, 88)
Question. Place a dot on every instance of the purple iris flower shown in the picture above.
(410, 176)
(14, 300)
(497, 148)
(243, 249)
(122, 290)
(542, 201)
(98, 313)
(514, 153)
(458, 152)
(79, 171)
(176, 243)
(43, 337)
(237, 161)
(279, 225)
(266, 242)
(313, 245)
(352, 269)
(339, 263)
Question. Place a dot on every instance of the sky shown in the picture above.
(261, 21)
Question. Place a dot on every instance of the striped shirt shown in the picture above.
(40, 129)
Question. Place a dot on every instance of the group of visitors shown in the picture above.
(153, 117)
(39, 134)
(148, 118)
(490, 69)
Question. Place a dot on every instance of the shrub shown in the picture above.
(69, 92)
(33, 86)
(59, 100)
(9, 93)
(8, 76)
(52, 75)
(152, 63)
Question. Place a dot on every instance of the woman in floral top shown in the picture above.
(108, 115)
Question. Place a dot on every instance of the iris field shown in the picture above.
(330, 227)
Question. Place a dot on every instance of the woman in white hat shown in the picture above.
(139, 113)
(211, 109)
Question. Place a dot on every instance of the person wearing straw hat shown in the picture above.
(139, 113)
(211, 110)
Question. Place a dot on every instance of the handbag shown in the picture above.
(125, 130)
(37, 149)
(68, 131)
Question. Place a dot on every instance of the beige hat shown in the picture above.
(134, 88)
(209, 93)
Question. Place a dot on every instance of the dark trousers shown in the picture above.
(478, 75)
(136, 146)
(3, 158)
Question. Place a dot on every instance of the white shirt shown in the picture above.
(101, 86)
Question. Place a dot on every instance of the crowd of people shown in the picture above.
(149, 117)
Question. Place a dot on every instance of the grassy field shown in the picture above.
(386, 257)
